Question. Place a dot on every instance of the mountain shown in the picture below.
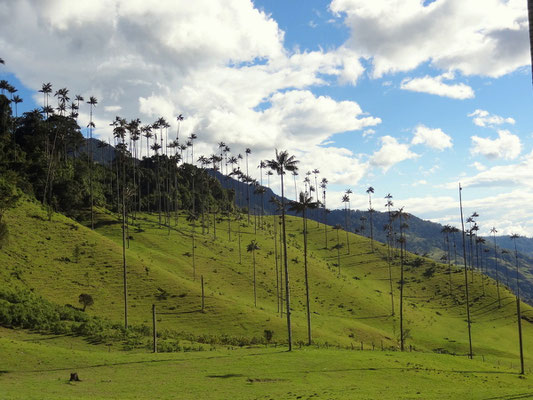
(422, 237)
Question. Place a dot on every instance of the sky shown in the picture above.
(411, 97)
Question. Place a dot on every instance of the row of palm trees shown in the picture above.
(281, 164)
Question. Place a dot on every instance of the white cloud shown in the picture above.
(478, 166)
(506, 146)
(434, 138)
(518, 174)
(368, 132)
(391, 153)
(484, 118)
(435, 85)
(112, 108)
(476, 37)
(223, 65)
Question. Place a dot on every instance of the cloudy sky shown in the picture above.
(408, 96)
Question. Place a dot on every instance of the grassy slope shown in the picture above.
(347, 309)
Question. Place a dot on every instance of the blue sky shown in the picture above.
(407, 96)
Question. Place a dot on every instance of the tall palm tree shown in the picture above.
(248, 152)
(369, 191)
(515, 237)
(92, 103)
(323, 185)
(306, 202)
(251, 248)
(470, 354)
(191, 218)
(192, 138)
(46, 89)
(316, 171)
(401, 216)
(262, 165)
(17, 100)
(494, 231)
(530, 14)
(294, 175)
(282, 163)
(179, 118)
(279, 275)
(388, 227)
(346, 200)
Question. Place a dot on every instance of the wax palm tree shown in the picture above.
(323, 185)
(179, 118)
(514, 238)
(192, 218)
(252, 248)
(17, 100)
(470, 354)
(346, 200)
(282, 163)
(192, 138)
(306, 202)
(261, 166)
(46, 89)
(530, 13)
(388, 228)
(92, 103)
(248, 152)
(494, 231)
(369, 191)
(401, 216)
(294, 175)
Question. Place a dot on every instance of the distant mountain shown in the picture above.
(422, 237)
(103, 153)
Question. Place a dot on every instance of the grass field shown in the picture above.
(352, 308)
(34, 369)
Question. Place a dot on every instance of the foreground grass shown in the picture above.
(40, 370)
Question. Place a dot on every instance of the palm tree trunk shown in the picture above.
(530, 13)
(470, 355)
(276, 258)
(497, 273)
(124, 252)
(309, 341)
(286, 266)
(255, 291)
(401, 285)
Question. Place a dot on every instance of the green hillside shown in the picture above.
(62, 259)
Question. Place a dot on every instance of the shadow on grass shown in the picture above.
(225, 376)
(512, 396)
(374, 317)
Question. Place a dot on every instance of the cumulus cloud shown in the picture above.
(516, 174)
(391, 152)
(478, 166)
(506, 146)
(476, 37)
(483, 118)
(223, 65)
(434, 138)
(435, 85)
